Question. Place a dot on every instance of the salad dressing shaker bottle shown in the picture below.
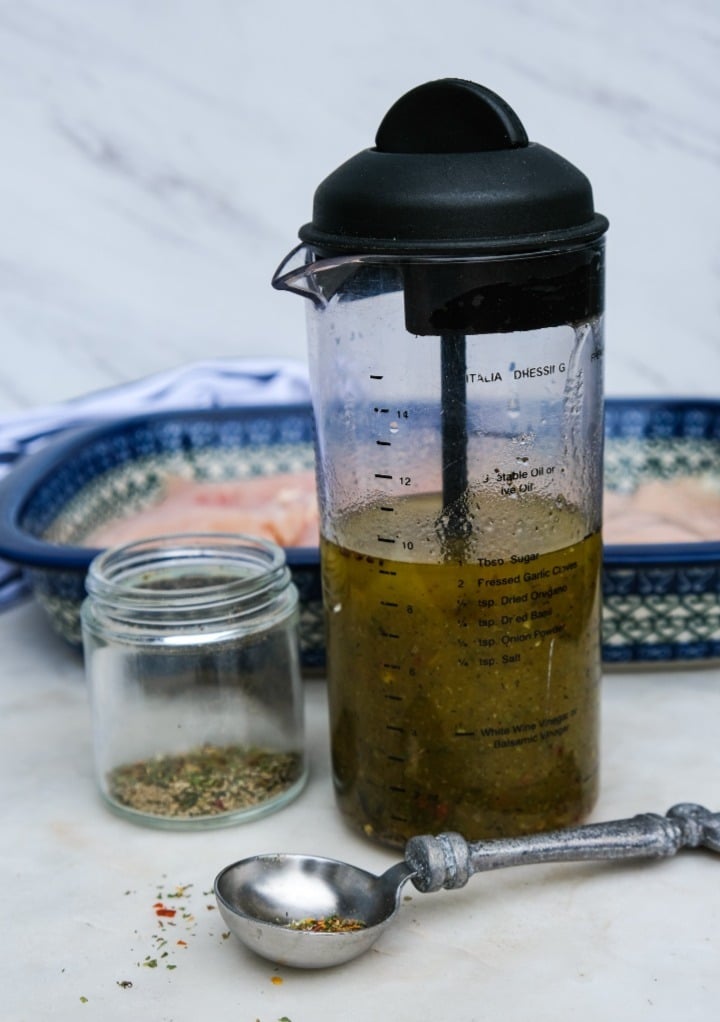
(454, 277)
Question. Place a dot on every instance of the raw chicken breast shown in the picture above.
(681, 510)
(282, 508)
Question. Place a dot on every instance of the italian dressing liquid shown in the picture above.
(463, 686)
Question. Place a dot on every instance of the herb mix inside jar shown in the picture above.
(192, 661)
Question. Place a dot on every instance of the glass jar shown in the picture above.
(192, 661)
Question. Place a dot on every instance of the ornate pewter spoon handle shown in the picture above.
(448, 861)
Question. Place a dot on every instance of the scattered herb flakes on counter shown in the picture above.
(174, 910)
(181, 890)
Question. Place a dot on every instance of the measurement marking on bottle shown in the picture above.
(396, 787)
(399, 819)
(386, 571)
(395, 727)
(382, 411)
(459, 733)
(382, 475)
(384, 443)
(395, 759)
(386, 539)
(388, 635)
(393, 697)
(373, 376)
(388, 603)
(387, 508)
(392, 667)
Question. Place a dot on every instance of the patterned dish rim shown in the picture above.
(630, 555)
(22, 483)
(643, 574)
(661, 601)
(56, 571)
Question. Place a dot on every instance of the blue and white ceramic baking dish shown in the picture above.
(661, 602)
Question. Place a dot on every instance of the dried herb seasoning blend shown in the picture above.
(192, 661)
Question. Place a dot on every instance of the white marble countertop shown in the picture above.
(157, 162)
(593, 941)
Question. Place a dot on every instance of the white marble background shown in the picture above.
(158, 156)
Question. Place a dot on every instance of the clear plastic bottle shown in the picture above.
(455, 273)
(192, 661)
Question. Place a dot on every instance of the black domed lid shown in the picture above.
(452, 172)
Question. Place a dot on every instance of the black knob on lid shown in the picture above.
(450, 116)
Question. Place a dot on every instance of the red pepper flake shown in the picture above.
(166, 913)
(181, 943)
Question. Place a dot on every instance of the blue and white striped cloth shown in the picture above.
(218, 383)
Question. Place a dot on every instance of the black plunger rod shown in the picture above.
(454, 431)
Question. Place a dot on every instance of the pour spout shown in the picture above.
(302, 273)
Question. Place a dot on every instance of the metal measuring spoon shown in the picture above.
(263, 898)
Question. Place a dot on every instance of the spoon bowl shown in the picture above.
(264, 897)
